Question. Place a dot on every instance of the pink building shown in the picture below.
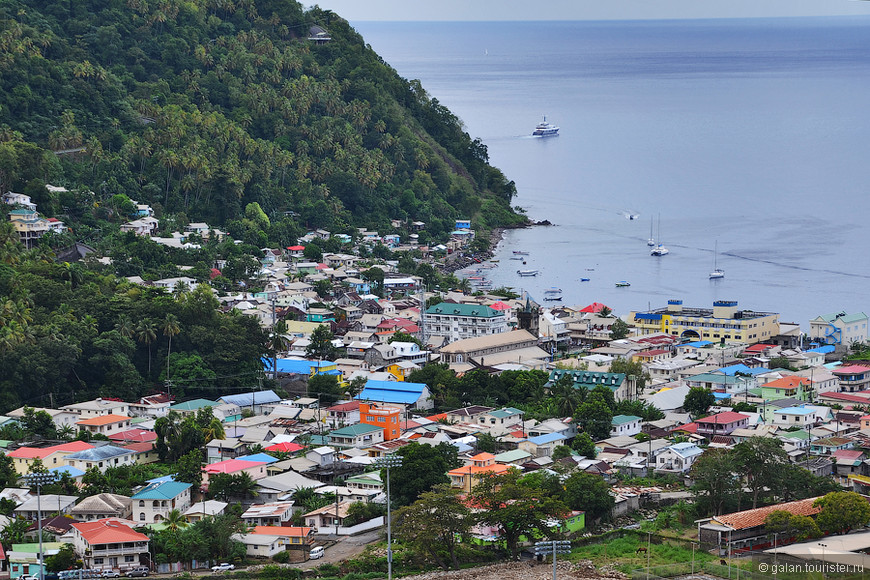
(256, 469)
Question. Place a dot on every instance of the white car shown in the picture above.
(316, 552)
(223, 567)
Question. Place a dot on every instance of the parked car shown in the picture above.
(223, 567)
(316, 552)
(140, 571)
(110, 574)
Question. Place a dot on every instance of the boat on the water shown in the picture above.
(554, 294)
(717, 272)
(622, 284)
(651, 241)
(516, 257)
(660, 249)
(545, 129)
(527, 272)
(520, 253)
(584, 279)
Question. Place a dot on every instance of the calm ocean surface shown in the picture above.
(752, 134)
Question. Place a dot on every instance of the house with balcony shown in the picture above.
(109, 544)
(156, 500)
(105, 424)
(721, 423)
(269, 514)
(99, 407)
(853, 378)
(787, 387)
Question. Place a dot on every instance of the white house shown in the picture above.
(678, 458)
(627, 425)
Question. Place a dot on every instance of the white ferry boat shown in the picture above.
(545, 129)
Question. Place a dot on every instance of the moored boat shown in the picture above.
(554, 294)
(622, 284)
(584, 279)
(520, 253)
(527, 272)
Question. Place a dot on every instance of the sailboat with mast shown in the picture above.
(651, 241)
(717, 272)
(660, 249)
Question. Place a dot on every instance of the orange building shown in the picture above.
(385, 417)
(481, 465)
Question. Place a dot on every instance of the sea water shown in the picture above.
(747, 134)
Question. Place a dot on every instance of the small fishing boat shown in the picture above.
(520, 253)
(554, 294)
(584, 279)
(525, 273)
(622, 284)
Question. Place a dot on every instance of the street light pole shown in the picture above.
(39, 479)
(387, 462)
(552, 547)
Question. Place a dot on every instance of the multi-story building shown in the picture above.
(853, 378)
(105, 424)
(108, 544)
(459, 321)
(839, 328)
(156, 500)
(387, 418)
(723, 322)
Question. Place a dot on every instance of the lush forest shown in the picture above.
(222, 111)
(69, 333)
(200, 107)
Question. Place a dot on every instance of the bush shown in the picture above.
(282, 557)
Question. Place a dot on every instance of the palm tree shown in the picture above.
(170, 328)
(125, 327)
(279, 341)
(175, 520)
(66, 432)
(567, 398)
(215, 430)
(145, 333)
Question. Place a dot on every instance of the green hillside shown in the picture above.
(200, 107)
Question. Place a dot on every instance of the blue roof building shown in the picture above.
(411, 395)
(160, 491)
(154, 502)
(261, 457)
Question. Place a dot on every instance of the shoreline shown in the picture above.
(496, 237)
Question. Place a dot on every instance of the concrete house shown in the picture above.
(156, 500)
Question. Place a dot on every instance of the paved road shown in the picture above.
(345, 548)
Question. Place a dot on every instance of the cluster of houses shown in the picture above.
(27, 222)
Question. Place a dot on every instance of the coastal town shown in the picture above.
(717, 415)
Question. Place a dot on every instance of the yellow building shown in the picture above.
(23, 458)
(723, 321)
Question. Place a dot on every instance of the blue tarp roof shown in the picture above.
(741, 368)
(262, 457)
(823, 349)
(252, 398)
(546, 438)
(300, 367)
(73, 471)
(698, 343)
